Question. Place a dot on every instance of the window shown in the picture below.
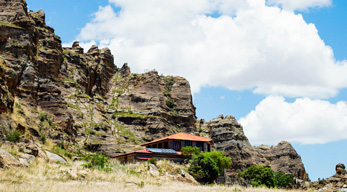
(188, 143)
(176, 145)
(208, 147)
(200, 146)
(166, 145)
(160, 145)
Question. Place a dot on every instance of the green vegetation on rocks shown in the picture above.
(265, 176)
(170, 102)
(13, 135)
(7, 24)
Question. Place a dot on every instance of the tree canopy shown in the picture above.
(206, 166)
(265, 176)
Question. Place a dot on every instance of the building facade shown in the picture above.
(167, 148)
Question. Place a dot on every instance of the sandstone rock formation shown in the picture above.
(337, 182)
(228, 136)
(82, 101)
(81, 98)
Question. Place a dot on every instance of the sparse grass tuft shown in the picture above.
(70, 53)
(16, 44)
(7, 24)
(13, 135)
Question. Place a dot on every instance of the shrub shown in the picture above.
(190, 151)
(43, 138)
(265, 176)
(152, 161)
(170, 103)
(13, 135)
(206, 167)
(222, 161)
(283, 180)
(43, 116)
(99, 161)
(260, 176)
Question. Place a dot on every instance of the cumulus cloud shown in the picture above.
(304, 121)
(300, 4)
(250, 45)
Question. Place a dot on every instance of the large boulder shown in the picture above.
(7, 160)
(153, 170)
(340, 169)
(54, 158)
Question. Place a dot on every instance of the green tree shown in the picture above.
(203, 168)
(190, 151)
(260, 175)
(283, 180)
(206, 167)
(222, 161)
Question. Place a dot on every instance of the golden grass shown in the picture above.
(48, 177)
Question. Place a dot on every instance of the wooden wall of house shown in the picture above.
(170, 145)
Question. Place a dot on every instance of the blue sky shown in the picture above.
(277, 66)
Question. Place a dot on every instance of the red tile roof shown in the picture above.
(180, 136)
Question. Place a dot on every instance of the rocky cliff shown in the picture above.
(228, 136)
(80, 100)
(83, 98)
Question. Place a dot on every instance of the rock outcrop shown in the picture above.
(228, 136)
(337, 182)
(7, 160)
(82, 101)
(81, 98)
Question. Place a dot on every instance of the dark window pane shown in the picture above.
(188, 143)
(177, 145)
(166, 145)
(200, 146)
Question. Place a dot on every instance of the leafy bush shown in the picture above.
(260, 176)
(13, 135)
(152, 161)
(222, 161)
(43, 116)
(206, 167)
(170, 103)
(283, 180)
(169, 82)
(190, 151)
(43, 138)
(265, 176)
(96, 161)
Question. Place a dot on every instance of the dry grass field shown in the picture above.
(73, 177)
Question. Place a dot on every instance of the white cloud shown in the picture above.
(305, 121)
(250, 46)
(300, 4)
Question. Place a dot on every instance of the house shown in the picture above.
(167, 148)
